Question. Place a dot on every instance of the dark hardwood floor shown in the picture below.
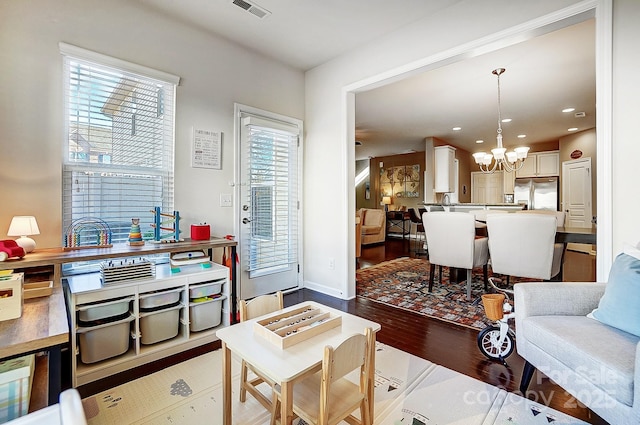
(453, 346)
(442, 343)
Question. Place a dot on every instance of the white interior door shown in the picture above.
(269, 207)
(576, 196)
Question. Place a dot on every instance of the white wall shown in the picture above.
(214, 74)
(626, 148)
(328, 141)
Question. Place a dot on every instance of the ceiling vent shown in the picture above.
(358, 143)
(252, 8)
(580, 114)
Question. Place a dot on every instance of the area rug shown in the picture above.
(404, 283)
(408, 390)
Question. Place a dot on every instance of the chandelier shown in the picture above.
(502, 160)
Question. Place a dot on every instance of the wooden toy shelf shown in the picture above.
(292, 327)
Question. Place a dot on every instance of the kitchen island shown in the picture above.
(470, 206)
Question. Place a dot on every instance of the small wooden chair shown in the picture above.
(256, 307)
(327, 397)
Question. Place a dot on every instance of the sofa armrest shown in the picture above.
(556, 298)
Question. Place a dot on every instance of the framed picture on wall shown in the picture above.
(400, 182)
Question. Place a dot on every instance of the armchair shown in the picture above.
(598, 364)
(373, 225)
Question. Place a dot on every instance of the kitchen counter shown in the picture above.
(469, 206)
(473, 204)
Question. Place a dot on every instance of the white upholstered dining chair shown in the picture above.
(523, 245)
(452, 242)
(258, 306)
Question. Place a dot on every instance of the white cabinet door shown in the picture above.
(529, 167)
(548, 164)
(487, 188)
(478, 188)
(508, 182)
(444, 169)
(540, 164)
(495, 192)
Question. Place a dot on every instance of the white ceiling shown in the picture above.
(544, 75)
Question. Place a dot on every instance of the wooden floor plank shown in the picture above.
(446, 344)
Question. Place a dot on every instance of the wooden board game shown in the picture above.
(292, 327)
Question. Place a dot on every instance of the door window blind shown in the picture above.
(273, 181)
(119, 144)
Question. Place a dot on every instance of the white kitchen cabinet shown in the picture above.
(548, 163)
(540, 164)
(444, 169)
(114, 343)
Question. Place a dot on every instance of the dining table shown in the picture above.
(586, 235)
(289, 365)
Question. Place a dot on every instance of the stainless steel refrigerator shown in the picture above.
(539, 193)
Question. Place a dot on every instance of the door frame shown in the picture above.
(238, 109)
(602, 10)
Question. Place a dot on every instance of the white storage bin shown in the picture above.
(160, 298)
(11, 296)
(104, 341)
(205, 289)
(103, 310)
(159, 325)
(206, 314)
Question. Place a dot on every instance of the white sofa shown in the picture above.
(598, 364)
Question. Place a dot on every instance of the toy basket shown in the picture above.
(493, 306)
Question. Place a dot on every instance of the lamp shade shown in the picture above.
(23, 226)
(386, 200)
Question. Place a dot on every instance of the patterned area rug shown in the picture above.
(404, 283)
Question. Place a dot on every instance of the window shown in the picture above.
(119, 146)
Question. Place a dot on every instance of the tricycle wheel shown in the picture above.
(490, 346)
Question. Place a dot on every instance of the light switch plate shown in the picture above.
(225, 200)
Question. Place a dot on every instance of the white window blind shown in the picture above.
(273, 182)
(119, 143)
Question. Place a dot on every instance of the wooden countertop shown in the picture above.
(48, 256)
(43, 324)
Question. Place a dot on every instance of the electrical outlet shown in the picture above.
(332, 263)
(225, 200)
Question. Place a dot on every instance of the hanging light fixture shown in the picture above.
(502, 160)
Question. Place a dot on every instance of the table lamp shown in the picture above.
(23, 226)
(386, 201)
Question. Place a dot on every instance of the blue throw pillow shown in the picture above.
(619, 307)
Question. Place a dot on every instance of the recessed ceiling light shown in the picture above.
(521, 136)
(572, 129)
(457, 128)
(568, 109)
(479, 141)
(506, 120)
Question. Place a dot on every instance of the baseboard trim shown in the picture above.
(323, 289)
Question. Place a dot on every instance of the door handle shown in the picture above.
(246, 221)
